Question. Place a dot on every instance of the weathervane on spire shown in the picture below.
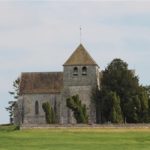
(80, 34)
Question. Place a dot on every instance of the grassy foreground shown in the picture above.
(74, 139)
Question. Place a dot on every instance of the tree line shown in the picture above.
(121, 98)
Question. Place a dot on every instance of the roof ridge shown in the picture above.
(41, 72)
(80, 57)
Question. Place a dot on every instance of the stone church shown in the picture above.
(80, 76)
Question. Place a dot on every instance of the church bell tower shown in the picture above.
(80, 77)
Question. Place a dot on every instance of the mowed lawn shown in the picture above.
(74, 139)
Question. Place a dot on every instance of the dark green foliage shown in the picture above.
(49, 113)
(144, 100)
(10, 109)
(96, 100)
(129, 98)
(79, 110)
(8, 127)
(132, 109)
(116, 114)
(147, 90)
(13, 104)
(110, 109)
(15, 93)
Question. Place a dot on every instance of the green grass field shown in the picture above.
(74, 139)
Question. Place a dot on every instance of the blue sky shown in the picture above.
(41, 35)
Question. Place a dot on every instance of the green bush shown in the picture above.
(8, 127)
(79, 110)
(49, 113)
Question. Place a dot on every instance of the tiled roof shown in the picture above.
(42, 82)
(80, 57)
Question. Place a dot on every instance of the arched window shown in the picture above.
(36, 108)
(75, 71)
(84, 71)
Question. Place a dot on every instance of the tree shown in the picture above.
(10, 109)
(13, 104)
(110, 107)
(131, 109)
(79, 110)
(49, 113)
(134, 101)
(144, 99)
(147, 90)
(96, 96)
(15, 93)
(116, 113)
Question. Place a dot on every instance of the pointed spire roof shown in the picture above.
(80, 57)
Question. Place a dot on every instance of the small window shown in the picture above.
(84, 71)
(36, 108)
(75, 71)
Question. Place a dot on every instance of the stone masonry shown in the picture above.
(80, 76)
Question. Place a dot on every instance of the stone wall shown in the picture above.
(82, 85)
(89, 126)
(92, 77)
(72, 85)
(18, 111)
(29, 100)
(85, 95)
